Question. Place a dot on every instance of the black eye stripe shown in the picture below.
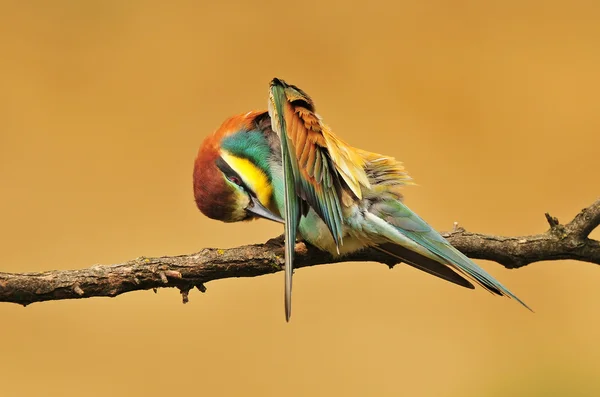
(230, 173)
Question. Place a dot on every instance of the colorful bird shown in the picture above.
(286, 165)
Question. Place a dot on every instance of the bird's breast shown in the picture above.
(356, 233)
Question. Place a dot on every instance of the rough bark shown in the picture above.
(568, 241)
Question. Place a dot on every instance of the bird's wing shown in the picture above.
(388, 176)
(318, 167)
(401, 226)
(321, 163)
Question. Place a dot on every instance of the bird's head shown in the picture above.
(232, 172)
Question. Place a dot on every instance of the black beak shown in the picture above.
(257, 209)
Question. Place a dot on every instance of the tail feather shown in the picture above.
(404, 228)
(466, 266)
(425, 264)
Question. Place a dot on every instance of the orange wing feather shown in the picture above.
(325, 168)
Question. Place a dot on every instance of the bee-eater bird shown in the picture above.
(286, 165)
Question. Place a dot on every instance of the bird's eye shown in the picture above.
(235, 180)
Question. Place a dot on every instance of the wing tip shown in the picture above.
(494, 287)
(289, 273)
(288, 293)
(513, 296)
(275, 81)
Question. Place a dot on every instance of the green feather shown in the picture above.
(410, 226)
(291, 203)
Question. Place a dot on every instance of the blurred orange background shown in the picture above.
(493, 107)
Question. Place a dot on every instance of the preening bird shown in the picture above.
(286, 165)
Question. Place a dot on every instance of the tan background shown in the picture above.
(493, 108)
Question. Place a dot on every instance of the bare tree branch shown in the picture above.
(570, 241)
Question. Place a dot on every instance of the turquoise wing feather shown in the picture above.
(292, 207)
(402, 226)
(314, 174)
(292, 204)
(318, 168)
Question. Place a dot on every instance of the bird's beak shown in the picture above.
(256, 208)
